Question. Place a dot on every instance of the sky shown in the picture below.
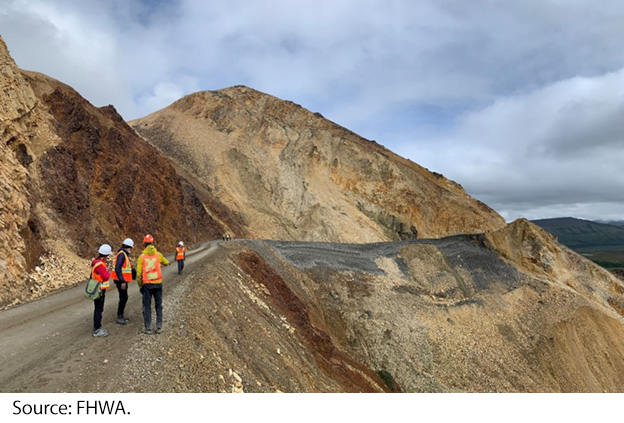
(520, 102)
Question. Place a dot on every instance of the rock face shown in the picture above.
(291, 174)
(72, 177)
(17, 117)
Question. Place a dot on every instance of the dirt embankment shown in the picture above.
(422, 316)
(246, 332)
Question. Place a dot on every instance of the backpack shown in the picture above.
(92, 290)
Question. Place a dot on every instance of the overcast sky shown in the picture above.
(521, 102)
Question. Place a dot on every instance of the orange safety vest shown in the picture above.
(181, 253)
(151, 269)
(104, 285)
(126, 269)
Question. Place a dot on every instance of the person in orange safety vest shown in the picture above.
(122, 274)
(149, 279)
(180, 256)
(100, 273)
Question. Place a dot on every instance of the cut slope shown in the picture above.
(74, 177)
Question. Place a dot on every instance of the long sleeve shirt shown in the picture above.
(149, 250)
(102, 271)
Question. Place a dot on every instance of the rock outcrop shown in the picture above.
(17, 118)
(291, 174)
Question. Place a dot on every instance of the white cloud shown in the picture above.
(163, 95)
(553, 148)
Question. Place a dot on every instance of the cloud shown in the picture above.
(163, 95)
(551, 149)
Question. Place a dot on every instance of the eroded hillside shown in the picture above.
(441, 315)
(291, 174)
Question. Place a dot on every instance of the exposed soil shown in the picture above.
(104, 173)
(351, 375)
(287, 173)
(241, 333)
(269, 316)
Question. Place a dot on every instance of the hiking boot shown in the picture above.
(100, 332)
(158, 330)
(122, 320)
(148, 331)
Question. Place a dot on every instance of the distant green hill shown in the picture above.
(619, 223)
(585, 235)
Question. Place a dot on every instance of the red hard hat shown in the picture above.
(148, 239)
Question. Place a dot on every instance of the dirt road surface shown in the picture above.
(47, 345)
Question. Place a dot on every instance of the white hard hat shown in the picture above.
(128, 242)
(105, 250)
(181, 243)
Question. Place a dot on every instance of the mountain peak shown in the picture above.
(293, 174)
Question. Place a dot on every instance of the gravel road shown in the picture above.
(46, 345)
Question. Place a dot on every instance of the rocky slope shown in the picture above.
(468, 313)
(291, 174)
(73, 176)
(19, 117)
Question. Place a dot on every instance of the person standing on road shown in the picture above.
(180, 256)
(100, 273)
(149, 279)
(122, 274)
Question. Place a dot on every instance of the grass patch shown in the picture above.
(607, 259)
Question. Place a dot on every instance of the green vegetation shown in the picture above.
(603, 243)
(607, 259)
(387, 378)
(584, 235)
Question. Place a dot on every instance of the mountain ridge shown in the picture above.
(305, 173)
(584, 235)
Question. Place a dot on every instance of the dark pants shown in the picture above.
(180, 266)
(123, 298)
(97, 311)
(152, 290)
